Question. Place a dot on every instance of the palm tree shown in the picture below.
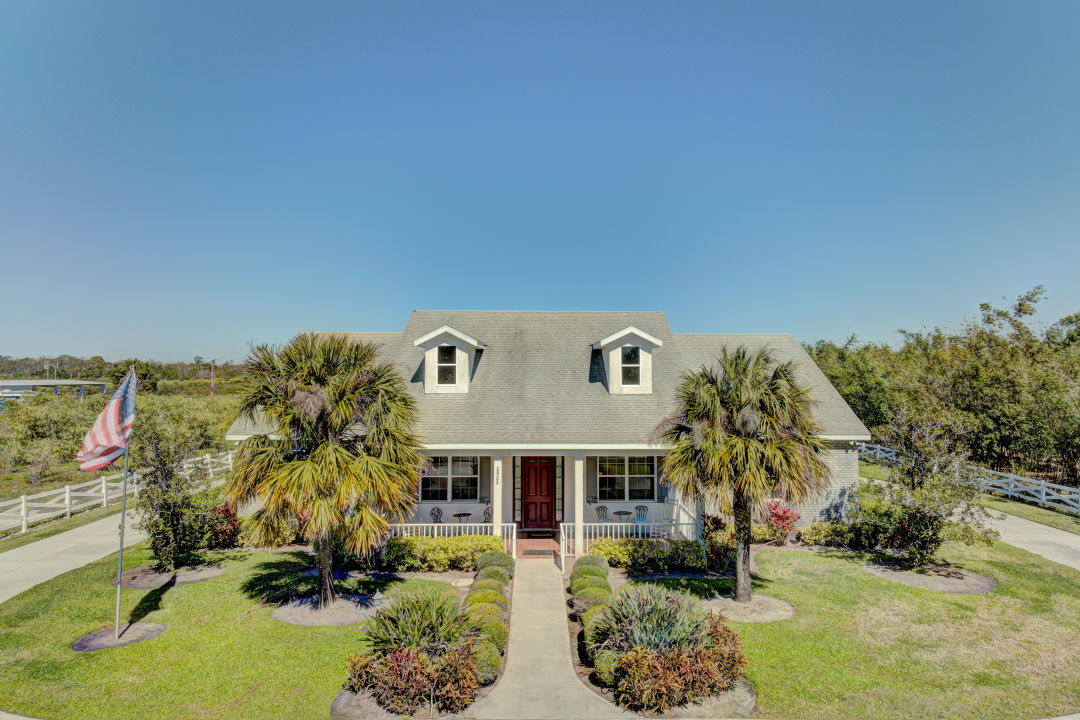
(740, 433)
(342, 461)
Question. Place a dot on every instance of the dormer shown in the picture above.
(628, 360)
(449, 355)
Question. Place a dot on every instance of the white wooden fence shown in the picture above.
(1040, 492)
(592, 532)
(508, 531)
(27, 510)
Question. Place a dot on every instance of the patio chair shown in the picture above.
(436, 514)
(641, 514)
(601, 513)
(489, 513)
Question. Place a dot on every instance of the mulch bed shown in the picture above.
(938, 578)
(130, 633)
(761, 608)
(347, 610)
(146, 578)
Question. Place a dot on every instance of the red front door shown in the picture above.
(538, 492)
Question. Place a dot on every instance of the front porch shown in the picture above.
(540, 503)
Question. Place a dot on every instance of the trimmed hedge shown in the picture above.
(589, 625)
(651, 556)
(487, 609)
(488, 661)
(485, 597)
(488, 584)
(437, 554)
(587, 571)
(496, 558)
(494, 630)
(604, 667)
(591, 597)
(591, 559)
(493, 572)
(588, 581)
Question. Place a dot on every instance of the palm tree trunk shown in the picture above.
(325, 559)
(741, 510)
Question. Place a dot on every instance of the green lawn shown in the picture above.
(873, 471)
(1054, 518)
(14, 539)
(864, 647)
(216, 660)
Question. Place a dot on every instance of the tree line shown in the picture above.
(70, 367)
(1009, 390)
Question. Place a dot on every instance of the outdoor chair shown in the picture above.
(436, 514)
(601, 513)
(489, 513)
(641, 514)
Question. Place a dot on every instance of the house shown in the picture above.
(541, 425)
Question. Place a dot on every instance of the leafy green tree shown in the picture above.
(146, 375)
(342, 462)
(741, 432)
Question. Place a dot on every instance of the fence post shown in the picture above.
(1042, 500)
(104, 494)
(230, 460)
(1012, 481)
(67, 501)
(25, 515)
(209, 466)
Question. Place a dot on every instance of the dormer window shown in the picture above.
(446, 366)
(450, 357)
(628, 360)
(631, 366)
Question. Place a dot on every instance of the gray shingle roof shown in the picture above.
(539, 381)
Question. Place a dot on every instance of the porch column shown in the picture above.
(497, 467)
(579, 505)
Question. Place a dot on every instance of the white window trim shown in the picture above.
(450, 481)
(623, 364)
(626, 479)
(454, 364)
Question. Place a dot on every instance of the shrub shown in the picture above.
(719, 544)
(762, 533)
(494, 630)
(488, 584)
(587, 571)
(493, 572)
(828, 533)
(437, 554)
(484, 597)
(591, 597)
(496, 559)
(223, 528)
(650, 616)
(427, 622)
(615, 552)
(604, 667)
(488, 661)
(650, 556)
(397, 680)
(596, 560)
(589, 624)
(455, 678)
(588, 581)
(487, 609)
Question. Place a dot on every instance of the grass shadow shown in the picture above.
(703, 588)
(281, 579)
(150, 602)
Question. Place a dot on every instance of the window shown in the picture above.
(451, 479)
(626, 478)
(631, 365)
(610, 478)
(446, 365)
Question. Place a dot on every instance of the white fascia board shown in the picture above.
(447, 330)
(612, 339)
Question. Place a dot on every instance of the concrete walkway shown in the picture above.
(539, 681)
(1043, 540)
(34, 563)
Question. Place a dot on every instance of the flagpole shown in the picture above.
(123, 518)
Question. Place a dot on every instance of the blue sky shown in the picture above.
(184, 178)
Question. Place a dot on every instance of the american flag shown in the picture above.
(109, 437)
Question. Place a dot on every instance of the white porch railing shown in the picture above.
(617, 531)
(27, 510)
(1040, 492)
(508, 531)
